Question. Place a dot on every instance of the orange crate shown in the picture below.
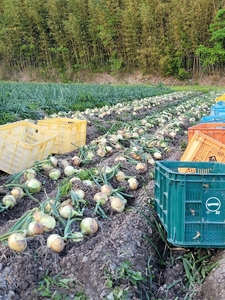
(203, 148)
(21, 144)
(70, 133)
(213, 130)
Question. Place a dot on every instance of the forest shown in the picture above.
(166, 37)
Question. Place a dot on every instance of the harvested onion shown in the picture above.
(55, 242)
(33, 185)
(17, 242)
(120, 176)
(54, 174)
(35, 228)
(133, 183)
(88, 226)
(76, 160)
(29, 173)
(69, 171)
(106, 189)
(101, 198)
(17, 192)
(117, 204)
(141, 167)
(9, 201)
(46, 220)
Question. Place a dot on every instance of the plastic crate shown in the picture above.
(213, 119)
(213, 130)
(191, 207)
(203, 148)
(70, 133)
(218, 108)
(21, 144)
(220, 98)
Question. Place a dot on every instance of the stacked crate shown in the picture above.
(190, 193)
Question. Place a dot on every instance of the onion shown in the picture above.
(47, 221)
(117, 204)
(64, 163)
(157, 155)
(29, 173)
(37, 215)
(69, 171)
(54, 161)
(33, 185)
(49, 203)
(106, 169)
(120, 176)
(76, 160)
(17, 242)
(74, 179)
(17, 192)
(109, 149)
(141, 167)
(35, 228)
(133, 183)
(88, 182)
(9, 200)
(120, 158)
(88, 226)
(101, 198)
(46, 166)
(106, 189)
(80, 193)
(55, 242)
(54, 174)
(66, 211)
(90, 155)
(101, 152)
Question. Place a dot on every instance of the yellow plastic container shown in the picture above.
(70, 133)
(21, 144)
(203, 148)
(220, 98)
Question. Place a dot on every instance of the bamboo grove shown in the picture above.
(150, 35)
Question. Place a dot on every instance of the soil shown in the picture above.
(93, 267)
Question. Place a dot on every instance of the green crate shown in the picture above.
(191, 206)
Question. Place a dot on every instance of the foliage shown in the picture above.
(70, 36)
(33, 101)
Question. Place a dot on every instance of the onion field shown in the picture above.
(81, 225)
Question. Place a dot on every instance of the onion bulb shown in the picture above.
(9, 201)
(17, 242)
(54, 174)
(35, 228)
(80, 193)
(33, 185)
(46, 220)
(29, 173)
(120, 158)
(46, 166)
(101, 198)
(55, 242)
(76, 160)
(74, 179)
(101, 152)
(49, 204)
(117, 204)
(106, 189)
(141, 167)
(66, 211)
(54, 161)
(88, 226)
(17, 193)
(69, 171)
(133, 183)
(157, 155)
(120, 176)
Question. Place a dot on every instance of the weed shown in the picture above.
(54, 288)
